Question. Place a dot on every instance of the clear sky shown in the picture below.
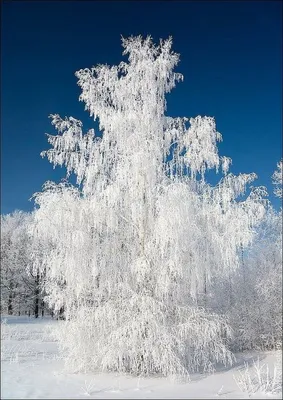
(230, 57)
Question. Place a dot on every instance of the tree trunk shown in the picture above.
(205, 290)
(42, 308)
(10, 303)
(36, 297)
(61, 313)
(230, 290)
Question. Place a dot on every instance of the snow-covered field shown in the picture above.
(32, 368)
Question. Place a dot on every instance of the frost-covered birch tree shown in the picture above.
(277, 178)
(136, 241)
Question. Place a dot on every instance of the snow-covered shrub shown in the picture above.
(259, 379)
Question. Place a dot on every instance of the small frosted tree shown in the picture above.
(251, 295)
(267, 261)
(138, 238)
(278, 179)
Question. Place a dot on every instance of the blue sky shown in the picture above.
(230, 57)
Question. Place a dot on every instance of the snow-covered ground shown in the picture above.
(32, 368)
